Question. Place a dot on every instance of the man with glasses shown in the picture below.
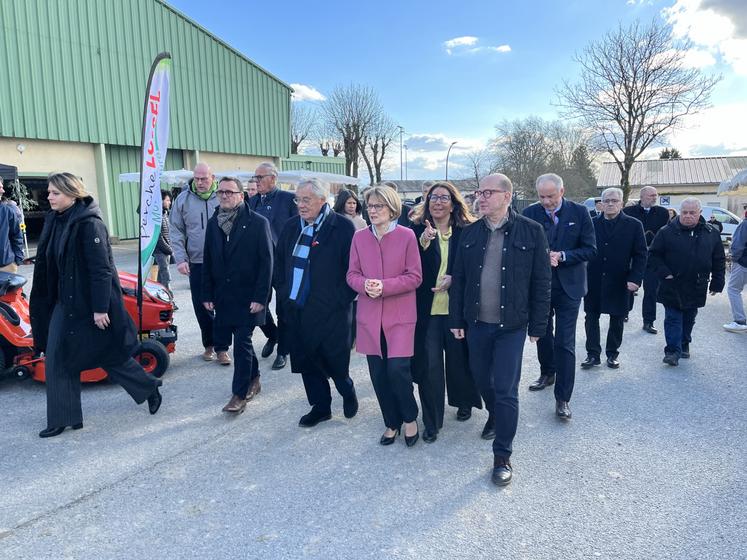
(570, 236)
(188, 219)
(613, 274)
(311, 265)
(237, 278)
(277, 206)
(653, 217)
(500, 293)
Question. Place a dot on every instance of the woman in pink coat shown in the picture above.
(385, 271)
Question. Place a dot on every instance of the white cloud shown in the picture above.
(711, 25)
(467, 45)
(714, 131)
(303, 92)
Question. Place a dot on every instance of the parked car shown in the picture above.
(728, 220)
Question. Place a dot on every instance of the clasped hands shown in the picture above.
(374, 288)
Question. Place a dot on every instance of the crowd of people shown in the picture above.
(433, 294)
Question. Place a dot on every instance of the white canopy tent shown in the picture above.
(177, 177)
(735, 186)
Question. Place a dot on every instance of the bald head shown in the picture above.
(497, 181)
(648, 196)
(494, 196)
(203, 177)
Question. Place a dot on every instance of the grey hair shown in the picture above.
(692, 200)
(270, 166)
(554, 178)
(646, 188)
(615, 190)
(318, 187)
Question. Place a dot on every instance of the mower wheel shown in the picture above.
(21, 372)
(153, 356)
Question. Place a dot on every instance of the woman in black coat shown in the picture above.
(77, 314)
(438, 225)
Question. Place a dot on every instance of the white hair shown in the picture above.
(318, 187)
(554, 178)
(646, 189)
(615, 190)
(692, 200)
(269, 166)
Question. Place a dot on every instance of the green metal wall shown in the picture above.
(124, 196)
(313, 163)
(76, 70)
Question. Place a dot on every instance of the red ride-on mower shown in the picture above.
(157, 339)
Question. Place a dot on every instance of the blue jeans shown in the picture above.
(678, 328)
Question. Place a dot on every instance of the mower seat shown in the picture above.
(10, 282)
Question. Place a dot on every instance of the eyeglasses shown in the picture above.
(305, 201)
(440, 198)
(258, 178)
(227, 193)
(487, 193)
(611, 201)
(377, 207)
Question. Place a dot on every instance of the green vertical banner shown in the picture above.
(155, 141)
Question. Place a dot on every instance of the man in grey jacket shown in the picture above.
(737, 279)
(190, 213)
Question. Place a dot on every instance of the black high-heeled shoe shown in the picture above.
(52, 432)
(389, 440)
(412, 440)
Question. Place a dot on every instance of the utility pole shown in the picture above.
(405, 162)
(401, 131)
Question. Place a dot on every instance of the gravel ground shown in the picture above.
(651, 466)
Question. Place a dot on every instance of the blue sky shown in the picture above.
(450, 71)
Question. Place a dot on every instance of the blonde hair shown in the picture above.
(388, 195)
(68, 184)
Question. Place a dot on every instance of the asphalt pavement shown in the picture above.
(650, 467)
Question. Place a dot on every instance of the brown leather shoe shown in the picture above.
(208, 355)
(254, 389)
(235, 405)
(224, 359)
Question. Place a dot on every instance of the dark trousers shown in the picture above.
(614, 335)
(245, 364)
(316, 382)
(461, 387)
(678, 328)
(392, 382)
(63, 385)
(276, 332)
(557, 349)
(204, 317)
(495, 360)
(650, 285)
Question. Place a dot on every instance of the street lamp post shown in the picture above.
(401, 131)
(447, 159)
(405, 162)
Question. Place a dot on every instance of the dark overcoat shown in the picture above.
(237, 270)
(324, 321)
(693, 257)
(278, 208)
(83, 281)
(621, 258)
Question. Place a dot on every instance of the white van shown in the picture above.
(727, 219)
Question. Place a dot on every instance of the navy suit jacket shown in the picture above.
(574, 235)
(278, 208)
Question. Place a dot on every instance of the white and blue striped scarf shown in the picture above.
(301, 285)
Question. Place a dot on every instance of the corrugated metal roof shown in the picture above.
(685, 171)
(77, 71)
(314, 163)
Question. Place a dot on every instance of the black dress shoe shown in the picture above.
(563, 410)
(52, 432)
(350, 405)
(313, 418)
(650, 328)
(412, 440)
(463, 413)
(542, 382)
(488, 431)
(154, 401)
(685, 354)
(625, 319)
(389, 440)
(429, 437)
(268, 348)
(590, 362)
(613, 363)
(279, 362)
(671, 359)
(502, 472)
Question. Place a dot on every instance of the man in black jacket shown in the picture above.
(500, 293)
(684, 255)
(237, 275)
(653, 218)
(278, 207)
(570, 236)
(615, 272)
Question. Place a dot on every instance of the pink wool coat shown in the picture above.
(396, 261)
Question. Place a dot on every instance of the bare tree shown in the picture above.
(480, 163)
(522, 150)
(350, 110)
(303, 120)
(326, 138)
(375, 145)
(634, 88)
